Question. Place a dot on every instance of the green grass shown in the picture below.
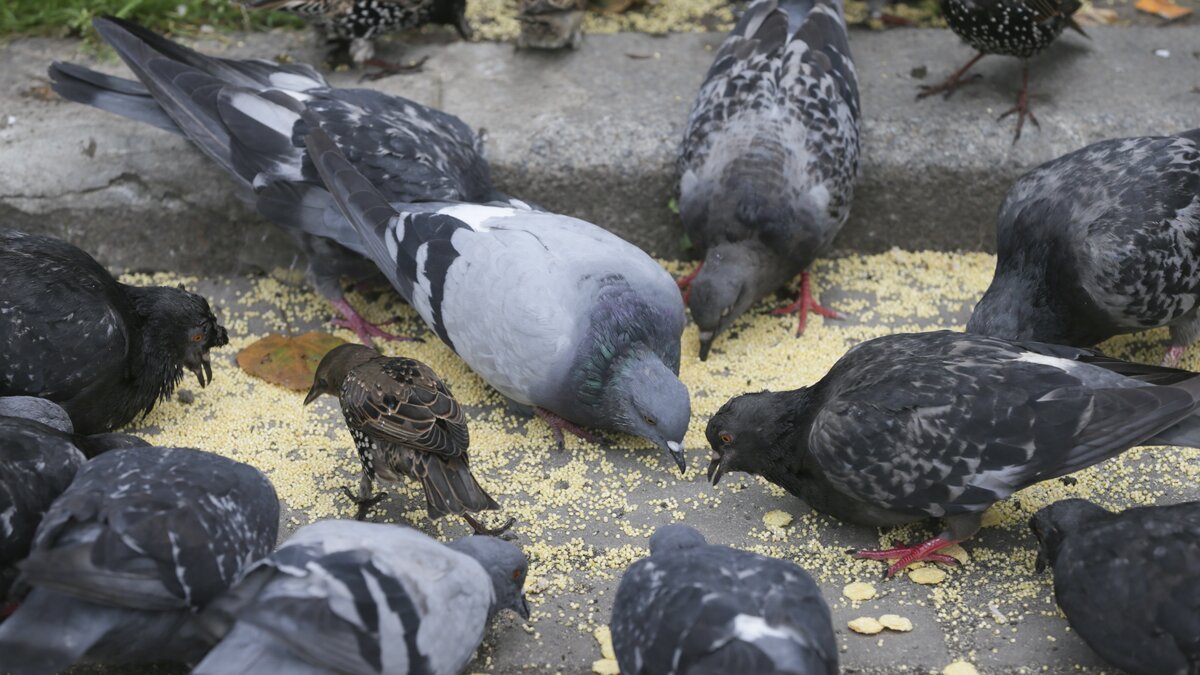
(74, 17)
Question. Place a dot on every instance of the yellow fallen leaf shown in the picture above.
(603, 635)
(1164, 8)
(960, 668)
(865, 625)
(287, 361)
(896, 622)
(606, 667)
(777, 519)
(859, 590)
(927, 575)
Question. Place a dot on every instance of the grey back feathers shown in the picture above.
(361, 598)
(37, 409)
(1102, 241)
(696, 608)
(550, 310)
(1127, 581)
(140, 541)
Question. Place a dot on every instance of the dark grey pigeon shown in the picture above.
(105, 351)
(362, 598)
(552, 311)
(1127, 581)
(693, 608)
(246, 117)
(1100, 242)
(943, 425)
(37, 462)
(769, 159)
(141, 540)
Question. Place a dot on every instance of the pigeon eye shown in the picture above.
(197, 337)
(726, 437)
(649, 420)
(516, 575)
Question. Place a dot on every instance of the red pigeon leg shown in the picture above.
(805, 304)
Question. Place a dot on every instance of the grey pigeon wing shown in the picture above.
(927, 435)
(36, 464)
(158, 528)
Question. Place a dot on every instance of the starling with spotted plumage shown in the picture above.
(405, 422)
(1019, 28)
(551, 24)
(351, 26)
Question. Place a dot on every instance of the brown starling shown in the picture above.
(1019, 28)
(404, 421)
(551, 24)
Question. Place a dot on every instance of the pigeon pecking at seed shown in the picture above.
(769, 160)
(1100, 242)
(1127, 581)
(245, 116)
(39, 456)
(352, 26)
(105, 351)
(551, 24)
(692, 607)
(943, 425)
(552, 311)
(1019, 28)
(405, 422)
(349, 597)
(141, 540)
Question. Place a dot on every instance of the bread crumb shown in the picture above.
(865, 625)
(859, 590)
(896, 622)
(960, 668)
(605, 667)
(927, 575)
(603, 635)
(777, 519)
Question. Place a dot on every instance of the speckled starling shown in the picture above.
(1019, 28)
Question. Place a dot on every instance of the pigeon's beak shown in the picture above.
(313, 393)
(1039, 565)
(716, 468)
(201, 366)
(706, 340)
(676, 451)
(522, 607)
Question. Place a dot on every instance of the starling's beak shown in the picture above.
(716, 468)
(675, 449)
(522, 607)
(706, 340)
(313, 393)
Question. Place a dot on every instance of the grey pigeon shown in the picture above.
(693, 608)
(405, 422)
(552, 311)
(37, 462)
(769, 159)
(943, 425)
(1127, 581)
(1019, 28)
(141, 540)
(352, 26)
(1100, 242)
(106, 352)
(246, 117)
(363, 599)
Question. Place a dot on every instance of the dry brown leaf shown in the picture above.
(1164, 8)
(287, 361)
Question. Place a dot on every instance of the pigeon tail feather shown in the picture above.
(248, 649)
(43, 638)
(1187, 432)
(116, 95)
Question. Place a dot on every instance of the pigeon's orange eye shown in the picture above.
(197, 337)
(726, 437)
(516, 575)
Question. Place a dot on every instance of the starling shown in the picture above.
(943, 425)
(551, 24)
(1019, 28)
(351, 26)
(769, 160)
(1100, 242)
(347, 597)
(405, 422)
(1127, 581)
(105, 351)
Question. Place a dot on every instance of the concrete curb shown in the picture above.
(594, 133)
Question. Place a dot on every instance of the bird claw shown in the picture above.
(906, 555)
(388, 68)
(558, 425)
(1021, 108)
(805, 304)
(364, 504)
(948, 87)
(365, 330)
(502, 531)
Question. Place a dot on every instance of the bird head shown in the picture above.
(675, 537)
(747, 434)
(646, 398)
(506, 567)
(1053, 523)
(730, 281)
(335, 365)
(181, 328)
